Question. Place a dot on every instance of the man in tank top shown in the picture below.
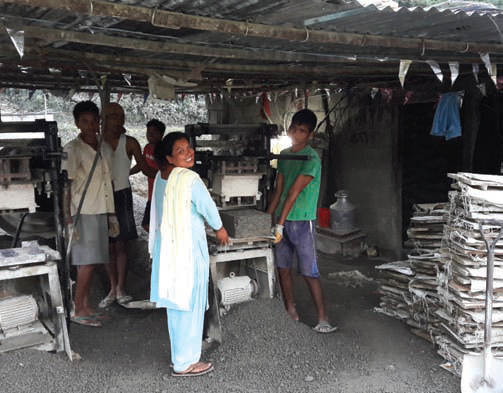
(125, 147)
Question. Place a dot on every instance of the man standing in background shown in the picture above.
(125, 148)
(155, 132)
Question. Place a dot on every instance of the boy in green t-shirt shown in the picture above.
(294, 202)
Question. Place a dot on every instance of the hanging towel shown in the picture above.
(176, 265)
(446, 121)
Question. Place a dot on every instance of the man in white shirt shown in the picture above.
(90, 228)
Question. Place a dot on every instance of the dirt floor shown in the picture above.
(263, 350)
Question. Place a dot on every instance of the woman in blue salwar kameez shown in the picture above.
(181, 205)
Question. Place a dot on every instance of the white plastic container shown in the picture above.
(342, 213)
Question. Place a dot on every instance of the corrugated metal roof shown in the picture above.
(432, 24)
(273, 43)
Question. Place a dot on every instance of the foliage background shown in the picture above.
(175, 113)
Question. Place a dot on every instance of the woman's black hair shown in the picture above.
(165, 147)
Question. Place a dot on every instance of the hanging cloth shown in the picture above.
(446, 121)
(265, 110)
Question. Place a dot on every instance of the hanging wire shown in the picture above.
(491, 18)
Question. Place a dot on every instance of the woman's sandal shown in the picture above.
(195, 370)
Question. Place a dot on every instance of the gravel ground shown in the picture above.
(263, 350)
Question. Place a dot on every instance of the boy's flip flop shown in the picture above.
(324, 327)
(100, 316)
(194, 371)
(86, 321)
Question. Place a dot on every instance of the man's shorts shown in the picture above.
(123, 200)
(90, 240)
(299, 238)
(146, 215)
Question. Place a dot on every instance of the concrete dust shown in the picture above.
(263, 350)
(351, 278)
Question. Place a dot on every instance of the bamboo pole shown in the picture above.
(179, 69)
(182, 68)
(170, 47)
(325, 65)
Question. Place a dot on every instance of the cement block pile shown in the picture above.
(440, 289)
(409, 287)
(463, 281)
(426, 229)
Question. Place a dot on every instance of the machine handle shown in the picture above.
(289, 157)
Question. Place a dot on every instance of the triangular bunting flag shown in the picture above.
(454, 67)
(404, 68)
(435, 67)
(475, 69)
(17, 38)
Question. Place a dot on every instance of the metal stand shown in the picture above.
(258, 262)
(48, 331)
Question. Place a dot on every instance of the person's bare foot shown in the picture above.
(123, 297)
(90, 312)
(199, 368)
(108, 300)
(292, 311)
(85, 321)
(83, 312)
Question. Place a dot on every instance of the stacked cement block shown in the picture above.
(475, 197)
(409, 287)
(441, 291)
(246, 223)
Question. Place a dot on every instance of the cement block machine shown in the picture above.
(33, 303)
(234, 161)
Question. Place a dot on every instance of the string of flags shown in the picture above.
(491, 68)
(16, 35)
(162, 87)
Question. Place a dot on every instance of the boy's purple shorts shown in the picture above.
(298, 237)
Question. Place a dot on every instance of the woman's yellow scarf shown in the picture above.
(176, 267)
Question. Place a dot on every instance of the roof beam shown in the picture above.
(181, 69)
(169, 47)
(35, 57)
(176, 20)
(327, 64)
